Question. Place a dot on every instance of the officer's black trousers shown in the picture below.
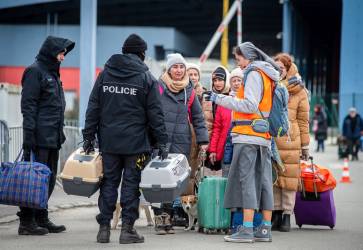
(48, 157)
(116, 167)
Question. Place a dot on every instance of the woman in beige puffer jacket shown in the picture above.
(291, 146)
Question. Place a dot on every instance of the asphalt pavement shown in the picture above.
(82, 227)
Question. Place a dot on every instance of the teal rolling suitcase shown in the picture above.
(212, 216)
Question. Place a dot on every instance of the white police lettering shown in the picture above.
(119, 90)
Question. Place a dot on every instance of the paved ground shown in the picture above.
(59, 201)
(82, 228)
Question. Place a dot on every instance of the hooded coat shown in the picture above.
(175, 107)
(221, 126)
(290, 148)
(124, 108)
(42, 97)
(209, 108)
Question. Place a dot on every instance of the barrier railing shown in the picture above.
(11, 141)
(4, 141)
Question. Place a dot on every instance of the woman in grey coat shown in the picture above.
(181, 109)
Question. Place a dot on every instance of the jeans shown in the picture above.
(320, 145)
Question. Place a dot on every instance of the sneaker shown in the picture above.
(159, 225)
(243, 235)
(167, 222)
(263, 233)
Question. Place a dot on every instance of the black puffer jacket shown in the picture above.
(42, 98)
(124, 107)
(176, 114)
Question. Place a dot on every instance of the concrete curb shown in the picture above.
(52, 209)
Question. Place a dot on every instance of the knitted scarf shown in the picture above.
(175, 86)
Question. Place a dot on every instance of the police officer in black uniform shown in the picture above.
(124, 110)
(42, 106)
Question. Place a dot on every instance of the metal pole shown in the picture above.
(217, 35)
(239, 23)
(224, 42)
(286, 27)
(87, 53)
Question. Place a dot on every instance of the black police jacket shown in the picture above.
(42, 97)
(124, 107)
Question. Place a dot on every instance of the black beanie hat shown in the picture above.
(219, 73)
(134, 44)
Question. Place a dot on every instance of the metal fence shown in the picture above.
(73, 139)
(15, 142)
(4, 142)
(11, 140)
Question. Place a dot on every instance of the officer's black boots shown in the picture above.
(276, 220)
(30, 227)
(52, 228)
(285, 225)
(104, 233)
(129, 235)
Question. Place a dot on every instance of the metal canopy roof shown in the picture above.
(198, 19)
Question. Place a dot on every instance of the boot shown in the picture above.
(167, 222)
(104, 233)
(129, 235)
(52, 228)
(29, 227)
(159, 225)
(285, 225)
(276, 220)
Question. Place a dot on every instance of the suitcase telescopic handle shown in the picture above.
(314, 182)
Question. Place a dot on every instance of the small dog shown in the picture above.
(117, 214)
(190, 207)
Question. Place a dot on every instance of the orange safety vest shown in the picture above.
(264, 106)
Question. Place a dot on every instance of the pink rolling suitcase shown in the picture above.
(314, 208)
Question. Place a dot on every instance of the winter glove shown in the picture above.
(163, 151)
(88, 146)
(142, 160)
(305, 154)
(209, 96)
(29, 144)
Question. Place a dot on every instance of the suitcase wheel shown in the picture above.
(200, 230)
(226, 231)
(331, 227)
(300, 225)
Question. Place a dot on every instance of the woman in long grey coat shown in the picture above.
(181, 107)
